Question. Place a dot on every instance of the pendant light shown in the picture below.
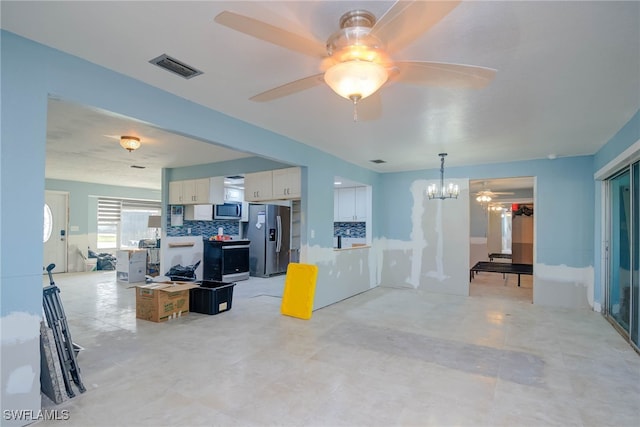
(450, 191)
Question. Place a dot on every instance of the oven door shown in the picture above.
(235, 262)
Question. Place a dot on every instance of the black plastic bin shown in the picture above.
(211, 297)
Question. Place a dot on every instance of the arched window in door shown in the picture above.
(48, 224)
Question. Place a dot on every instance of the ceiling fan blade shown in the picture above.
(444, 74)
(407, 20)
(289, 88)
(271, 34)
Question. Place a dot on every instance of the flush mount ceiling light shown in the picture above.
(130, 143)
(450, 191)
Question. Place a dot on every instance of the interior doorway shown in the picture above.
(502, 237)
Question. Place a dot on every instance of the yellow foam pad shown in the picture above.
(299, 290)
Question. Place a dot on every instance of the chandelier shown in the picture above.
(450, 191)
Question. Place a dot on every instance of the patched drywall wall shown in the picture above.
(437, 256)
(562, 286)
(341, 273)
(20, 365)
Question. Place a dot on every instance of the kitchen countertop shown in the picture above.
(352, 247)
(228, 242)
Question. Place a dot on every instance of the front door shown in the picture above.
(56, 218)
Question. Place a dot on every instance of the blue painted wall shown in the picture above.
(227, 168)
(83, 199)
(564, 206)
(619, 142)
(628, 135)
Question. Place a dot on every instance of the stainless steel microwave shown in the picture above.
(227, 211)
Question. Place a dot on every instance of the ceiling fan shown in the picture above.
(485, 196)
(356, 60)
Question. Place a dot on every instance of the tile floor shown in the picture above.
(386, 357)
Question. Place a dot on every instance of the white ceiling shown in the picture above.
(568, 78)
(83, 144)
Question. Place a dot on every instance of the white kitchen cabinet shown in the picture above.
(286, 183)
(198, 212)
(233, 194)
(361, 204)
(279, 184)
(175, 193)
(197, 191)
(258, 186)
(352, 204)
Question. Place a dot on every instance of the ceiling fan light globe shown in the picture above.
(356, 79)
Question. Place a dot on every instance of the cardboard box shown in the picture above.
(159, 302)
(131, 265)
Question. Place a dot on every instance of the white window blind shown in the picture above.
(122, 223)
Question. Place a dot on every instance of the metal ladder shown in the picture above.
(57, 321)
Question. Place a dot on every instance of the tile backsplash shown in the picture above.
(232, 227)
(355, 229)
(205, 228)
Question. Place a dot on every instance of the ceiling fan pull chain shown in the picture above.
(355, 99)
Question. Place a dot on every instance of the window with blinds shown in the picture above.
(122, 223)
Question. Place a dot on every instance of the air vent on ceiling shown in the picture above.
(175, 66)
(138, 167)
(378, 161)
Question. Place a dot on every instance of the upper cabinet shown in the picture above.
(280, 184)
(197, 191)
(258, 186)
(232, 194)
(175, 193)
(286, 183)
(350, 204)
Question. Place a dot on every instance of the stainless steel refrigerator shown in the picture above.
(269, 231)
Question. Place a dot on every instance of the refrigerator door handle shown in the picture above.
(278, 233)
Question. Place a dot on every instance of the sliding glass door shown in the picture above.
(635, 266)
(624, 250)
(620, 250)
